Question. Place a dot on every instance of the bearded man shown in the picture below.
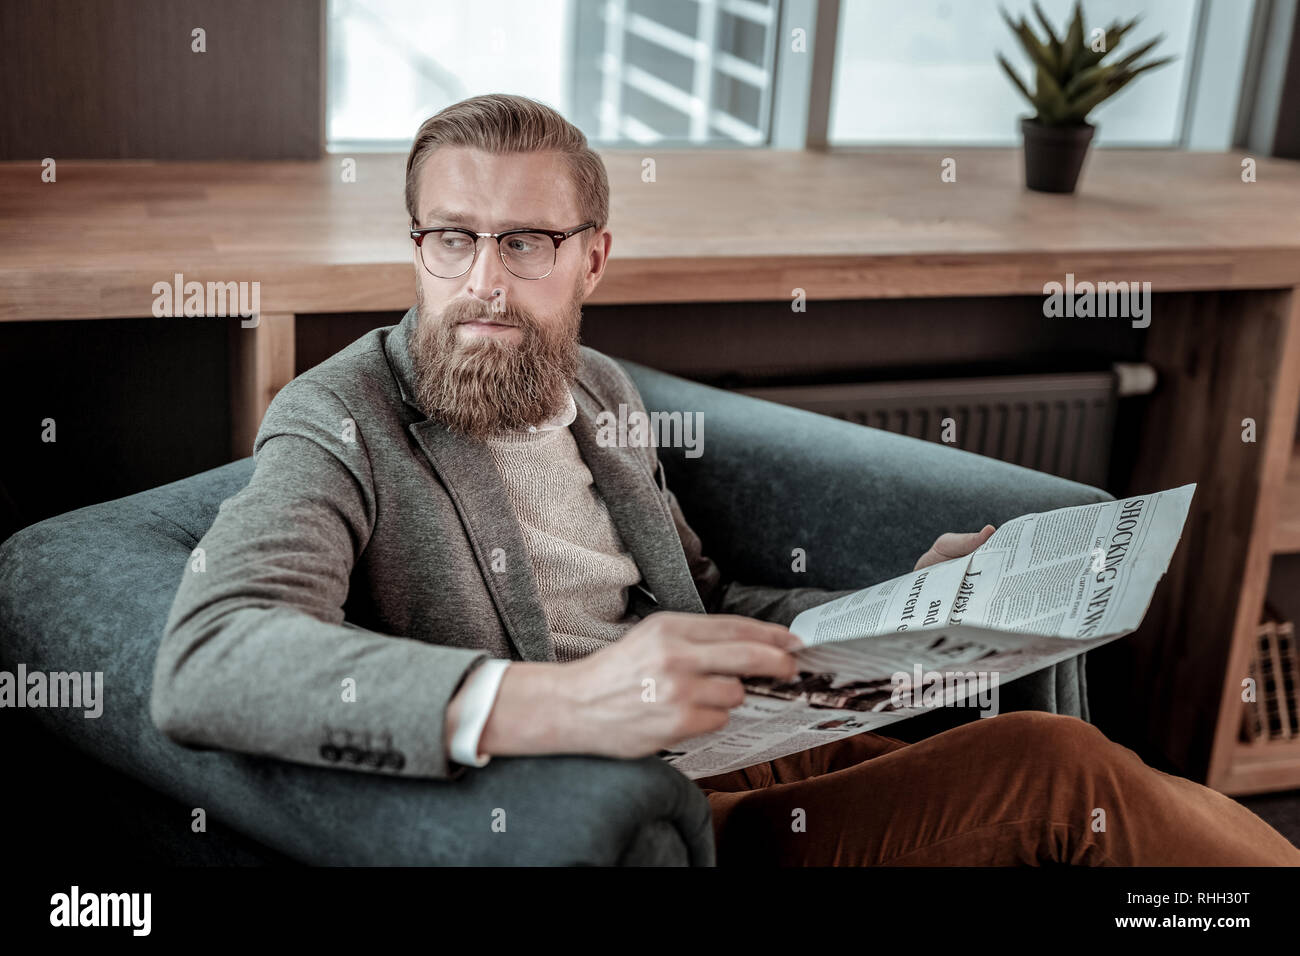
(436, 562)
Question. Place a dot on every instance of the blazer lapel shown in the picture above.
(471, 479)
(637, 509)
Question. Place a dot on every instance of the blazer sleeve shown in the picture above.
(256, 656)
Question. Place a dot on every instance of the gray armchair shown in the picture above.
(90, 590)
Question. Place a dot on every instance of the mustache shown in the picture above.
(460, 313)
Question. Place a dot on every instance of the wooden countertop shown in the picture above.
(717, 225)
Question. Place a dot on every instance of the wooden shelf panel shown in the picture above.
(854, 223)
(1263, 767)
(1286, 535)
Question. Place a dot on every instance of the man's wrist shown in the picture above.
(531, 714)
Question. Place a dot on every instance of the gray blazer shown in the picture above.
(339, 600)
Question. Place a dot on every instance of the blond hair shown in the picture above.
(504, 123)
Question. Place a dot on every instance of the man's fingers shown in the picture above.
(743, 659)
(734, 627)
(957, 544)
(954, 544)
(720, 692)
(950, 545)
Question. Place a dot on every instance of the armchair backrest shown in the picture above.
(862, 503)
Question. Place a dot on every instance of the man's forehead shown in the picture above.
(467, 187)
(464, 217)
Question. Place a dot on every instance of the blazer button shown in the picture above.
(388, 756)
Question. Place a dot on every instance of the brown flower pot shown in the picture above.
(1054, 155)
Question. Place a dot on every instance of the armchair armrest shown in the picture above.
(90, 591)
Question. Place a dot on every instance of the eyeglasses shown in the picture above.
(527, 253)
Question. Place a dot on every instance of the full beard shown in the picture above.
(483, 387)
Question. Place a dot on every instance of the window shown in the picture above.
(924, 71)
(673, 72)
(725, 73)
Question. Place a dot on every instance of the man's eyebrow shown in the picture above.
(453, 218)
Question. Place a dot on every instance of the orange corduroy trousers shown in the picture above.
(1024, 787)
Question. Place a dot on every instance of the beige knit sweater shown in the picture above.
(582, 568)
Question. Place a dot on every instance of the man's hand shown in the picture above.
(695, 662)
(954, 544)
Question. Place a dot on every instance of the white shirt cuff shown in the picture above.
(478, 695)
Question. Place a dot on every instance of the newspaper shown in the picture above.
(1045, 587)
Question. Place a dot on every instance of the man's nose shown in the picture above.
(488, 272)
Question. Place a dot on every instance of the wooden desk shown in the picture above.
(716, 226)
(739, 225)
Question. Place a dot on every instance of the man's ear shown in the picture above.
(600, 243)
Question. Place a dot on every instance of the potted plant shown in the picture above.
(1072, 80)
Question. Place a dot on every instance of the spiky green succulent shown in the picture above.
(1071, 78)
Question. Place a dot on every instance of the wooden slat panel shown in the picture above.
(117, 79)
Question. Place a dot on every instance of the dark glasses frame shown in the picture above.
(556, 237)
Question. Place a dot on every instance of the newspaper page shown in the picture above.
(1045, 587)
